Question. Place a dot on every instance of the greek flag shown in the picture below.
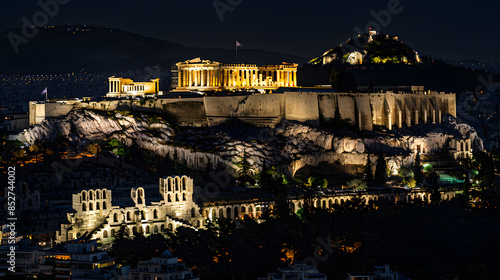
(238, 44)
(44, 91)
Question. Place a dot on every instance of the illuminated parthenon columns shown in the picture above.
(197, 74)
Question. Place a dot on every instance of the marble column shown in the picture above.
(179, 78)
(202, 81)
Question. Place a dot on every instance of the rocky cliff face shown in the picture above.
(289, 145)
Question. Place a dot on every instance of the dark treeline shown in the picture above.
(425, 241)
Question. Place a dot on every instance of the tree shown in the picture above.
(408, 177)
(368, 170)
(35, 148)
(381, 170)
(417, 170)
(94, 148)
(244, 173)
(357, 184)
(486, 167)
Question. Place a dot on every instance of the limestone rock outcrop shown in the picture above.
(290, 145)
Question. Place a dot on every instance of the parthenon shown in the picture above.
(197, 74)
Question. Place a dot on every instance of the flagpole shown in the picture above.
(236, 53)
(46, 94)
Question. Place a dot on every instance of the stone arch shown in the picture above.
(147, 229)
(105, 234)
(330, 204)
(214, 213)
(243, 211)
(78, 235)
(140, 196)
(176, 197)
(128, 216)
(228, 213)
(184, 197)
(193, 212)
(84, 195)
(112, 233)
(143, 215)
(155, 229)
(115, 217)
(236, 212)
(250, 211)
(134, 230)
(140, 230)
(177, 183)
(184, 183)
(104, 205)
(91, 206)
(170, 227)
(84, 206)
(98, 194)
(168, 198)
(155, 214)
(221, 213)
(91, 195)
(104, 194)
(97, 206)
(162, 228)
(323, 204)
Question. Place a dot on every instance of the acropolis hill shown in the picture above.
(268, 97)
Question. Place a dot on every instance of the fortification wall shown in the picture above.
(302, 107)
(347, 108)
(266, 110)
(327, 106)
(262, 110)
(364, 116)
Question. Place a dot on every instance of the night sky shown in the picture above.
(449, 29)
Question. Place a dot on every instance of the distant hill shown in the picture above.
(372, 48)
(98, 49)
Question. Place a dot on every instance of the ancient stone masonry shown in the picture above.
(364, 110)
(197, 74)
(96, 217)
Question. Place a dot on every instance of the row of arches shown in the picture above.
(91, 206)
(93, 195)
(148, 229)
(230, 212)
(169, 198)
(175, 184)
(128, 216)
(327, 203)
